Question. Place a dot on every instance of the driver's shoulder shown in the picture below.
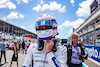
(33, 45)
(61, 47)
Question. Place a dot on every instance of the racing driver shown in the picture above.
(46, 52)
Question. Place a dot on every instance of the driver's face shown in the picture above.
(44, 27)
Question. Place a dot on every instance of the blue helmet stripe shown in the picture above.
(42, 23)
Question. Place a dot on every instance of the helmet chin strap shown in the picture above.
(40, 45)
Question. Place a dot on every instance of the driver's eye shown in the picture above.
(49, 27)
(41, 28)
(44, 28)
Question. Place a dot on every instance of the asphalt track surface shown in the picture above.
(21, 57)
(9, 54)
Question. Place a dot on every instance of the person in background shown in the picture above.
(20, 46)
(27, 45)
(15, 54)
(3, 50)
(7, 43)
(11, 46)
(23, 46)
(75, 53)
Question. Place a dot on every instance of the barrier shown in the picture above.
(93, 52)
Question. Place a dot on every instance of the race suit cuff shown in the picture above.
(48, 52)
(50, 55)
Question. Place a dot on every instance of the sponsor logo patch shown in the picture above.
(41, 61)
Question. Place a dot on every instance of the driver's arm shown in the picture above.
(59, 60)
(28, 58)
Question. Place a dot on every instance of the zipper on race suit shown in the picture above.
(45, 60)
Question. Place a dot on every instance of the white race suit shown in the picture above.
(44, 59)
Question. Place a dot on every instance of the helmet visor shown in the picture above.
(45, 23)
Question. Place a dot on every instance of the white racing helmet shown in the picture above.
(50, 29)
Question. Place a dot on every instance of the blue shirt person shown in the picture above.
(3, 51)
(3, 46)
